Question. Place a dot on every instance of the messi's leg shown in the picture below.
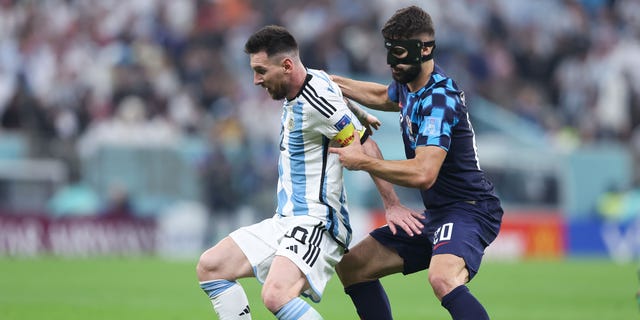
(359, 272)
(303, 265)
(217, 270)
(281, 289)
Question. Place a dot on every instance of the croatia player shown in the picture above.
(294, 252)
(463, 213)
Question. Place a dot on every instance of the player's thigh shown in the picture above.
(368, 260)
(309, 246)
(225, 260)
(449, 266)
(284, 279)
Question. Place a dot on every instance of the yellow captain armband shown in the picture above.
(345, 133)
(345, 136)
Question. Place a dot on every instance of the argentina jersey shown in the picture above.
(436, 115)
(310, 179)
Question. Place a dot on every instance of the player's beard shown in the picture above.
(277, 92)
(405, 76)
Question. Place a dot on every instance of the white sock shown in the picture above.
(297, 309)
(228, 298)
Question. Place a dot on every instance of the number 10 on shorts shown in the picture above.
(443, 233)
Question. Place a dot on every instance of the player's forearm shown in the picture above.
(385, 188)
(406, 173)
(357, 111)
(370, 94)
(387, 193)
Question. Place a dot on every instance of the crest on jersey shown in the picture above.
(290, 124)
(407, 122)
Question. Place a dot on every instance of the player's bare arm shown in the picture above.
(420, 172)
(370, 94)
(396, 214)
(367, 119)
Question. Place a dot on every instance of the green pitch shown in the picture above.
(148, 288)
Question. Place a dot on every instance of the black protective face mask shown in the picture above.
(407, 51)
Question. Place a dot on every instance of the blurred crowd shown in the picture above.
(78, 73)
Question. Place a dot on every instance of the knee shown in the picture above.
(206, 269)
(274, 297)
(442, 283)
(348, 272)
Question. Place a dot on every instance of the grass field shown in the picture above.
(148, 288)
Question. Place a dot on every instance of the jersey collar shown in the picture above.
(306, 81)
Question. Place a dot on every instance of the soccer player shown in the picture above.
(463, 213)
(294, 252)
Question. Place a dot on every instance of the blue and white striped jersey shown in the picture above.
(310, 179)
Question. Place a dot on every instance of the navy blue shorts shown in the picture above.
(463, 229)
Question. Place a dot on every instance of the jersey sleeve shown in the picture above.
(329, 113)
(341, 125)
(393, 91)
(435, 127)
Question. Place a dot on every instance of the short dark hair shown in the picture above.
(272, 39)
(407, 23)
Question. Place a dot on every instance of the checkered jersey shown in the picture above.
(436, 115)
(310, 179)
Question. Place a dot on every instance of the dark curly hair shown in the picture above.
(272, 39)
(407, 23)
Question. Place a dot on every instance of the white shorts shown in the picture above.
(302, 239)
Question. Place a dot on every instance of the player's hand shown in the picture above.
(371, 121)
(405, 218)
(368, 121)
(351, 156)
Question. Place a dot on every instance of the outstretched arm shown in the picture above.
(396, 214)
(367, 120)
(420, 172)
(370, 94)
